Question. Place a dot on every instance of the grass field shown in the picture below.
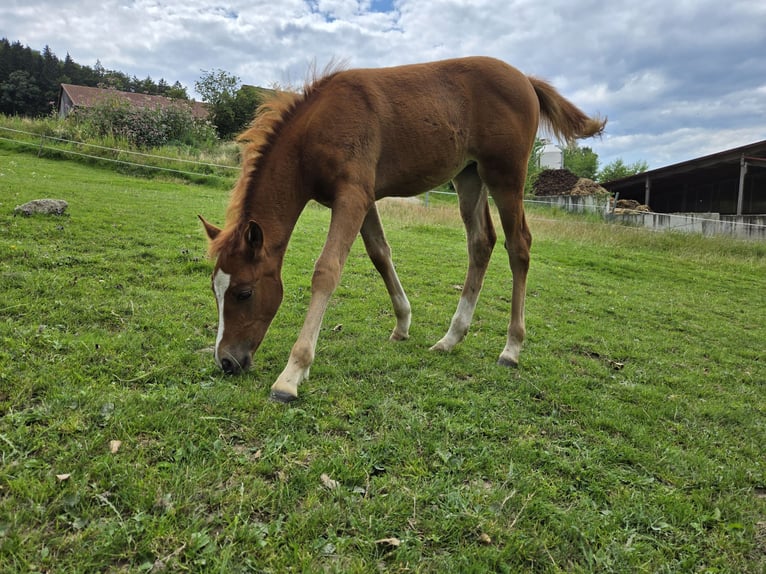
(630, 439)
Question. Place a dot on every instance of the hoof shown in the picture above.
(283, 397)
(505, 362)
(440, 347)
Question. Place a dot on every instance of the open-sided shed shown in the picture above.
(731, 182)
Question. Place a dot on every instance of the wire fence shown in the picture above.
(725, 225)
(94, 152)
(45, 142)
(736, 226)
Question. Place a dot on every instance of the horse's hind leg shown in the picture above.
(508, 193)
(481, 240)
(380, 255)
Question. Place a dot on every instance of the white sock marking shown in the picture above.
(463, 315)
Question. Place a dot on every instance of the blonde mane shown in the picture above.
(257, 140)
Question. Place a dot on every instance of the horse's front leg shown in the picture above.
(345, 223)
(380, 254)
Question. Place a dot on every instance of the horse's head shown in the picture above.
(247, 285)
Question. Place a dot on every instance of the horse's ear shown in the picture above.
(211, 230)
(254, 236)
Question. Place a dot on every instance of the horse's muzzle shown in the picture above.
(231, 366)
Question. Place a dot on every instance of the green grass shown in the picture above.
(631, 438)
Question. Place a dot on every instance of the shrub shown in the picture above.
(143, 128)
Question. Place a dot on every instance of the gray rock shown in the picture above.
(44, 206)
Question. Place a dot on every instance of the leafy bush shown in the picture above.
(618, 169)
(143, 127)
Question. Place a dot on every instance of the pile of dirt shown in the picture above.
(564, 182)
(628, 206)
(554, 182)
(587, 187)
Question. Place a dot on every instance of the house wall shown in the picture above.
(65, 105)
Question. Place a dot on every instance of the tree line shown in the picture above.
(30, 80)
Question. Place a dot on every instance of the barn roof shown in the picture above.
(85, 96)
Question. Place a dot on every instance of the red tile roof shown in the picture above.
(84, 96)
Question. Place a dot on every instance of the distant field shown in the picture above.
(630, 439)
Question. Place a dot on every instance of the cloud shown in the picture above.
(676, 79)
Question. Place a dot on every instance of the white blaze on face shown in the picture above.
(220, 285)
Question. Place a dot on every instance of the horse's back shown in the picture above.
(458, 88)
(419, 125)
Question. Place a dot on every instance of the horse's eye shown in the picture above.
(244, 295)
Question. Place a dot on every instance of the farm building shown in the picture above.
(71, 96)
(731, 182)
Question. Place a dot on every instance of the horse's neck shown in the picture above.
(277, 218)
(278, 196)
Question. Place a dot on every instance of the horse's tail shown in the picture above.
(561, 117)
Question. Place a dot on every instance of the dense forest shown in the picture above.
(30, 80)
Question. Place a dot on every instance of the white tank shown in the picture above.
(551, 157)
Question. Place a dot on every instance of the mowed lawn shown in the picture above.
(630, 439)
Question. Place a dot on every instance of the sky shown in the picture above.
(677, 79)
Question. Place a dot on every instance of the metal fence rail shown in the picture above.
(47, 142)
